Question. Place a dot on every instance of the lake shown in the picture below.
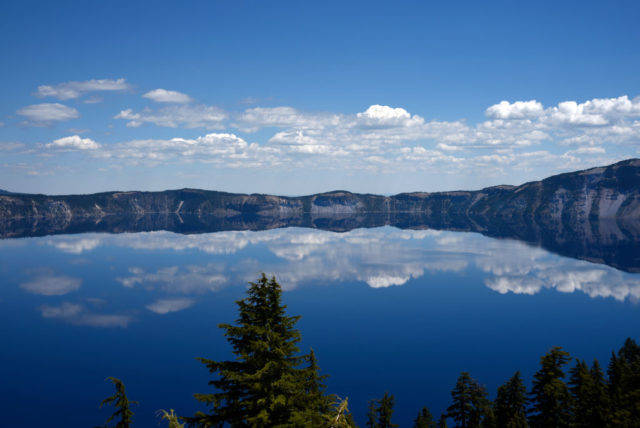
(385, 309)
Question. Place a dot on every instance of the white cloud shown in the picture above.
(10, 146)
(222, 149)
(52, 285)
(175, 279)
(74, 142)
(75, 246)
(518, 142)
(572, 113)
(384, 281)
(384, 116)
(65, 310)
(47, 113)
(165, 96)
(78, 315)
(165, 306)
(256, 118)
(186, 116)
(71, 90)
(517, 110)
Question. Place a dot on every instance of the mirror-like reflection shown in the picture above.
(141, 306)
(378, 257)
(607, 241)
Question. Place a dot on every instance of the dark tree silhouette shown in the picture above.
(510, 407)
(123, 412)
(550, 396)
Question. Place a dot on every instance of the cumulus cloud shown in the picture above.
(177, 279)
(72, 90)
(519, 141)
(572, 113)
(517, 110)
(47, 113)
(52, 285)
(225, 150)
(78, 315)
(74, 142)
(165, 96)
(164, 306)
(385, 116)
(186, 116)
(75, 245)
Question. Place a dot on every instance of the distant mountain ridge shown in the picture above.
(602, 192)
(592, 214)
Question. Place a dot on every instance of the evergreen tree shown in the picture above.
(581, 386)
(424, 419)
(550, 396)
(624, 385)
(121, 403)
(313, 405)
(264, 386)
(340, 417)
(600, 404)
(590, 405)
(470, 405)
(372, 414)
(385, 411)
(442, 422)
(511, 404)
(171, 417)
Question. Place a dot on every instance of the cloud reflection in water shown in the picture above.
(381, 257)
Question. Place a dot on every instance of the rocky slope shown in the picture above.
(606, 192)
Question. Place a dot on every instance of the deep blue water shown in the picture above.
(384, 309)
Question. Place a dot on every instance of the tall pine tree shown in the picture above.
(385, 411)
(550, 396)
(123, 412)
(510, 406)
(265, 386)
(424, 419)
(470, 405)
(600, 403)
(624, 385)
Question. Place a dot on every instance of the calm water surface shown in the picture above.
(384, 309)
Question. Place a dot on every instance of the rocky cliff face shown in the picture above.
(567, 213)
(611, 192)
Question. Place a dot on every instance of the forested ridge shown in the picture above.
(271, 383)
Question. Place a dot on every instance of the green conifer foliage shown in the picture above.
(385, 411)
(590, 405)
(171, 417)
(313, 404)
(122, 404)
(624, 385)
(581, 385)
(424, 419)
(550, 396)
(339, 417)
(510, 406)
(372, 414)
(470, 405)
(264, 386)
(599, 398)
(442, 422)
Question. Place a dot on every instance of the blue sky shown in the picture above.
(293, 97)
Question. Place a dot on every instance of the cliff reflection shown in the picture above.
(612, 242)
